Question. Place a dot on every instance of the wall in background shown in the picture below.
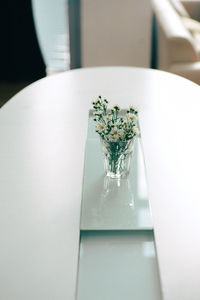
(116, 32)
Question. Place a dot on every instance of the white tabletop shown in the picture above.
(42, 137)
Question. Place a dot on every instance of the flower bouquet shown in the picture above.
(117, 131)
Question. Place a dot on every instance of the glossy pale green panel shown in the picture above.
(110, 204)
(118, 265)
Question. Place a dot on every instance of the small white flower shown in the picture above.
(131, 117)
(115, 131)
(96, 103)
(116, 107)
(134, 123)
(135, 130)
(100, 127)
(117, 124)
(112, 138)
(107, 118)
(133, 108)
(98, 113)
(121, 133)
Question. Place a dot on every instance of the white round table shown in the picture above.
(42, 136)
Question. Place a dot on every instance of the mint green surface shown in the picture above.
(118, 265)
(113, 204)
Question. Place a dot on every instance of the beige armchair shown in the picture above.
(178, 47)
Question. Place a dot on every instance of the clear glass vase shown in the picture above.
(117, 157)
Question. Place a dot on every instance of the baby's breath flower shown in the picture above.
(133, 109)
(110, 125)
(121, 133)
(107, 118)
(131, 117)
(98, 113)
(117, 124)
(106, 131)
(134, 123)
(116, 107)
(135, 130)
(112, 138)
(115, 131)
(100, 127)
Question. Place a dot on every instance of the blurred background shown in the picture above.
(44, 37)
(21, 61)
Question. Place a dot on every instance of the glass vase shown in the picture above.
(117, 157)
